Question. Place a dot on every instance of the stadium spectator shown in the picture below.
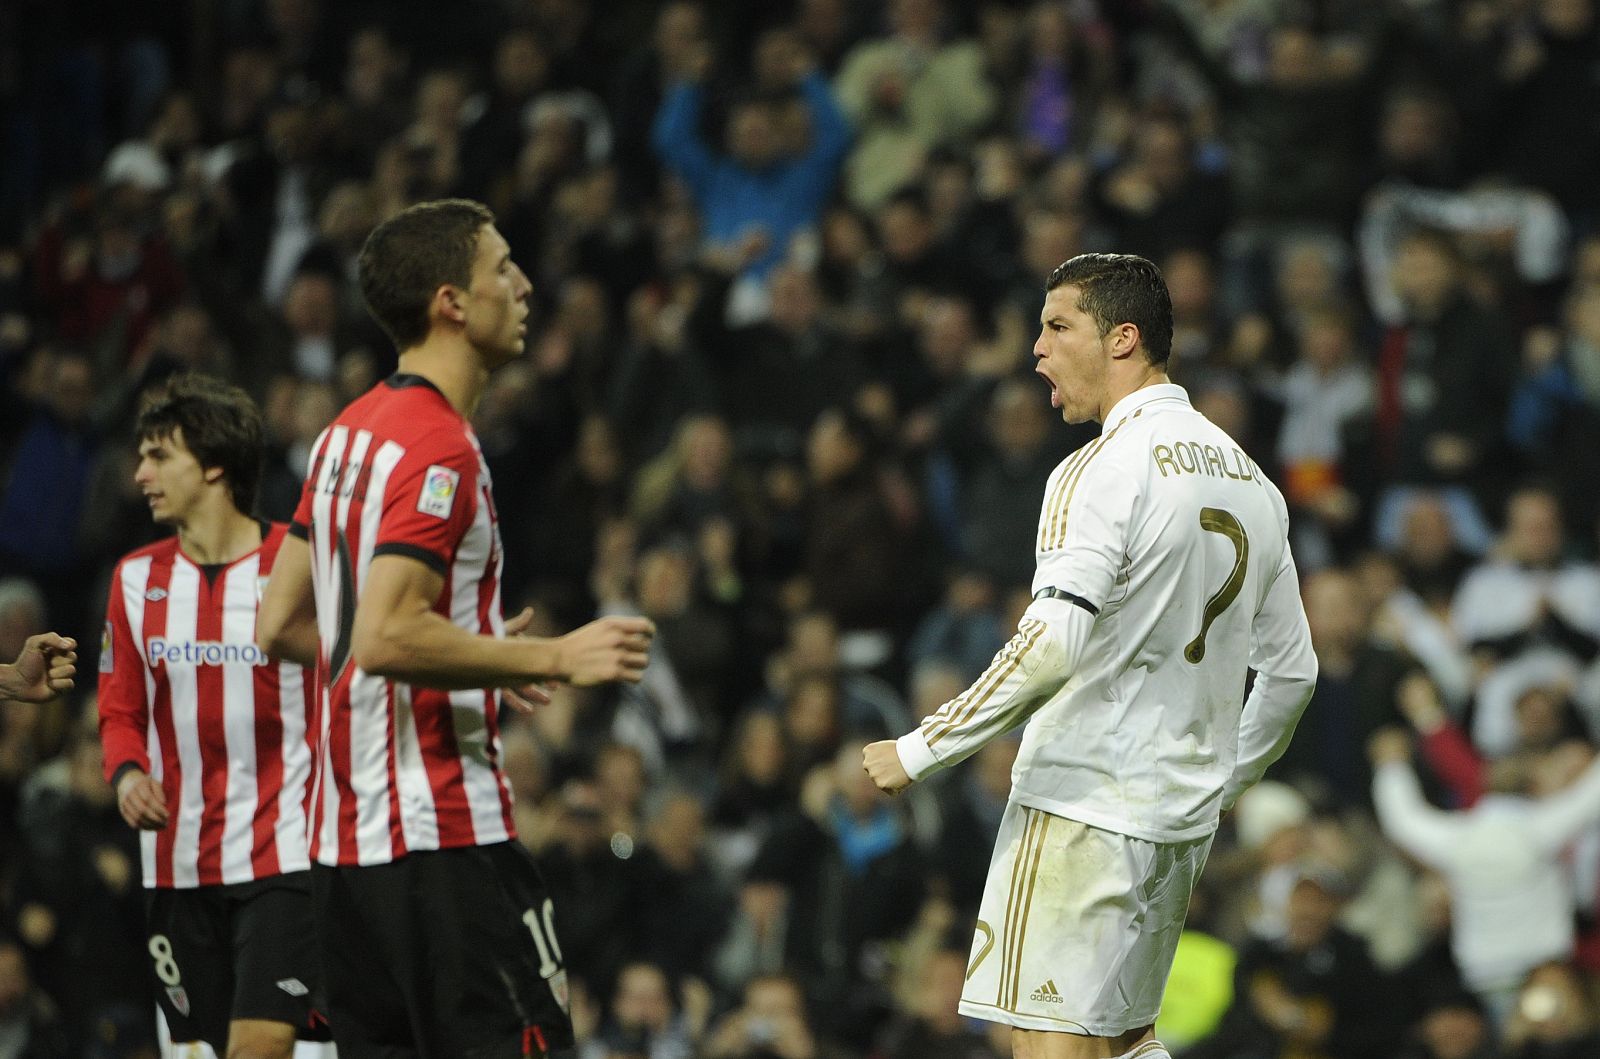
(644, 1020)
(1512, 910)
(1529, 596)
(754, 199)
(907, 93)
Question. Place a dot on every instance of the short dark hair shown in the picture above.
(1121, 289)
(411, 255)
(220, 423)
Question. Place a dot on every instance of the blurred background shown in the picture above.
(788, 259)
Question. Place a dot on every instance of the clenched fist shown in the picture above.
(882, 762)
(42, 671)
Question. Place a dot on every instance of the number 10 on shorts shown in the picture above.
(541, 924)
(543, 929)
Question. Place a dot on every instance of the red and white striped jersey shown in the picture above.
(187, 696)
(402, 768)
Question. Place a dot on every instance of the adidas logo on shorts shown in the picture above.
(1046, 994)
(293, 986)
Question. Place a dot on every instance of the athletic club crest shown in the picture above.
(180, 999)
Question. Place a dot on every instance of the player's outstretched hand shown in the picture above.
(882, 762)
(607, 649)
(141, 801)
(43, 670)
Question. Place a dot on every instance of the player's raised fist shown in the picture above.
(882, 762)
(43, 670)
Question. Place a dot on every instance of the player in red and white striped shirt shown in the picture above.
(205, 737)
(436, 932)
(405, 767)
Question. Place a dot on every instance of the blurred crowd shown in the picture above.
(788, 259)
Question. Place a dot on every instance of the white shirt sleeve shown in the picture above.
(1562, 816)
(1085, 527)
(1286, 675)
(1427, 833)
(1027, 672)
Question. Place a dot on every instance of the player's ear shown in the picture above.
(212, 475)
(449, 302)
(1124, 340)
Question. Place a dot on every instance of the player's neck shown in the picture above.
(218, 533)
(451, 365)
(1119, 386)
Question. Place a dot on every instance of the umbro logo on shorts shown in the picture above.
(1047, 994)
(293, 986)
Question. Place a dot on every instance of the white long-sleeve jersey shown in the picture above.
(1164, 574)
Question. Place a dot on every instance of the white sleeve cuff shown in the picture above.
(915, 757)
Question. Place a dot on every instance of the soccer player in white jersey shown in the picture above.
(205, 737)
(437, 934)
(1163, 575)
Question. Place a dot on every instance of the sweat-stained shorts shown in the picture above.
(1078, 926)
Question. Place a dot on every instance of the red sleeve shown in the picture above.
(124, 708)
(1450, 754)
(430, 501)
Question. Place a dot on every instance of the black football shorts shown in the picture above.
(239, 951)
(442, 954)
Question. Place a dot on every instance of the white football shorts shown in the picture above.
(1078, 926)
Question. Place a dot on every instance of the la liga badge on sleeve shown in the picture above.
(438, 494)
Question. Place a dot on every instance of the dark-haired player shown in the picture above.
(205, 736)
(437, 933)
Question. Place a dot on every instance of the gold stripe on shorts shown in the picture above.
(1024, 870)
(1027, 902)
(1007, 936)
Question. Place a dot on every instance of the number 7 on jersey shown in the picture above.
(1216, 520)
